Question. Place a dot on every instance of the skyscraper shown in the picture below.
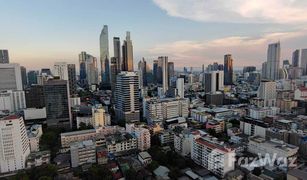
(155, 71)
(14, 144)
(142, 73)
(273, 60)
(104, 55)
(228, 69)
(56, 96)
(116, 45)
(180, 87)
(35, 96)
(60, 69)
(10, 77)
(214, 81)
(164, 60)
(32, 77)
(304, 61)
(114, 71)
(267, 92)
(296, 58)
(127, 64)
(171, 71)
(88, 69)
(4, 56)
(23, 72)
(127, 106)
(71, 68)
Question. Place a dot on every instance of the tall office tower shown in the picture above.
(249, 69)
(155, 71)
(12, 101)
(23, 72)
(267, 92)
(71, 68)
(91, 71)
(46, 71)
(180, 87)
(203, 76)
(116, 45)
(142, 73)
(296, 58)
(4, 56)
(32, 77)
(171, 71)
(214, 81)
(88, 69)
(57, 103)
(14, 144)
(164, 60)
(35, 96)
(160, 71)
(273, 60)
(114, 71)
(10, 77)
(304, 61)
(127, 54)
(127, 106)
(264, 69)
(228, 69)
(104, 55)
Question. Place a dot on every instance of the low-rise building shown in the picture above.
(144, 158)
(253, 127)
(183, 142)
(38, 159)
(217, 124)
(82, 153)
(166, 137)
(260, 113)
(34, 134)
(121, 143)
(142, 135)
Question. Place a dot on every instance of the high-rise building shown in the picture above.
(104, 55)
(228, 69)
(127, 64)
(273, 60)
(4, 56)
(214, 81)
(304, 61)
(116, 45)
(71, 68)
(248, 69)
(88, 69)
(10, 77)
(14, 144)
(114, 71)
(142, 73)
(171, 71)
(35, 96)
(180, 87)
(57, 103)
(296, 58)
(60, 69)
(267, 92)
(46, 71)
(23, 72)
(32, 77)
(155, 71)
(12, 101)
(127, 106)
(164, 60)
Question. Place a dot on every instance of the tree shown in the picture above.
(130, 174)
(257, 171)
(212, 132)
(50, 140)
(83, 126)
(153, 165)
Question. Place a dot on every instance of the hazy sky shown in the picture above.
(191, 32)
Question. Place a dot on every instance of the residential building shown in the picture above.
(144, 158)
(214, 81)
(296, 58)
(34, 134)
(12, 101)
(180, 87)
(72, 80)
(4, 56)
(127, 51)
(60, 69)
(104, 55)
(183, 142)
(142, 135)
(142, 71)
(117, 53)
(304, 61)
(23, 72)
(14, 144)
(252, 127)
(121, 143)
(273, 60)
(35, 116)
(267, 92)
(228, 69)
(166, 137)
(32, 77)
(82, 153)
(165, 78)
(127, 106)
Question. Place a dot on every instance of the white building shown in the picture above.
(165, 79)
(183, 142)
(10, 77)
(253, 127)
(75, 101)
(267, 92)
(260, 113)
(14, 144)
(168, 108)
(142, 135)
(144, 158)
(166, 137)
(213, 155)
(273, 60)
(120, 143)
(82, 153)
(180, 87)
(258, 145)
(12, 101)
(60, 69)
(34, 134)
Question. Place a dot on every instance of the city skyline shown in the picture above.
(35, 37)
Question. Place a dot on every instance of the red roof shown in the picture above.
(10, 117)
(212, 146)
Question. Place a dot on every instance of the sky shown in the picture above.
(191, 32)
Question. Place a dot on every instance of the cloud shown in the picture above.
(246, 11)
(246, 50)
